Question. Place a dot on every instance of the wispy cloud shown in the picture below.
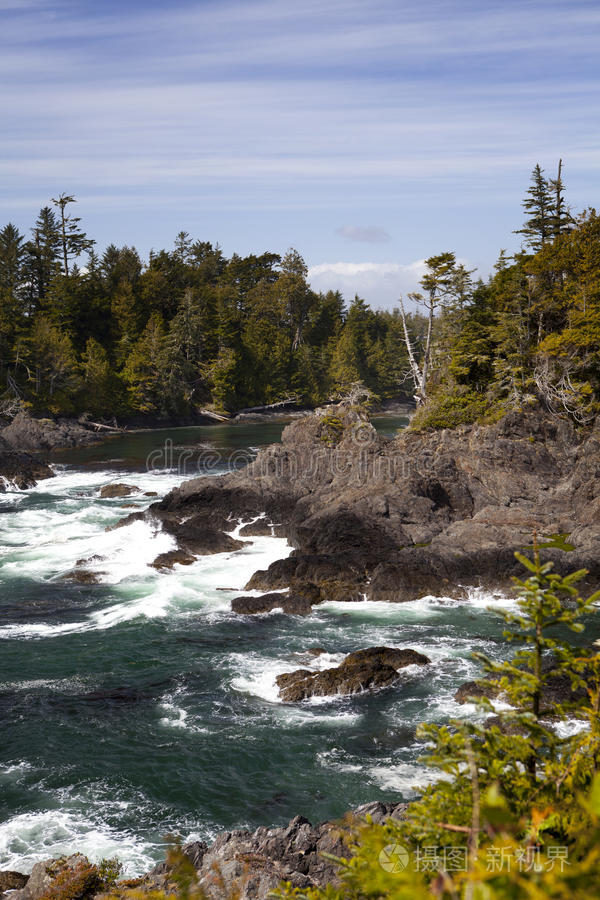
(368, 234)
(425, 118)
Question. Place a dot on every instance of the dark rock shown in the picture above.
(375, 667)
(150, 494)
(475, 690)
(316, 651)
(387, 656)
(170, 558)
(291, 603)
(19, 469)
(12, 881)
(199, 537)
(556, 690)
(82, 576)
(117, 490)
(249, 606)
(260, 528)
(84, 561)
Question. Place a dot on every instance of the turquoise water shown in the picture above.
(141, 706)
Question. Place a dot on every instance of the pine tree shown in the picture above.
(539, 204)
(12, 284)
(43, 255)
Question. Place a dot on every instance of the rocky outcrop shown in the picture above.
(28, 433)
(19, 469)
(375, 667)
(249, 865)
(423, 513)
(44, 874)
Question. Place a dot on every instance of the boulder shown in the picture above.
(375, 667)
(291, 603)
(117, 490)
(12, 881)
(172, 557)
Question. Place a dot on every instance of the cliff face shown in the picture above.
(418, 514)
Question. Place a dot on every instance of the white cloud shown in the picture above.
(379, 283)
(369, 234)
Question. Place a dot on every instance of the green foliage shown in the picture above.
(449, 411)
(331, 431)
(191, 328)
(517, 812)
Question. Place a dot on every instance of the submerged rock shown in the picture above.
(82, 576)
(291, 603)
(298, 601)
(375, 667)
(117, 490)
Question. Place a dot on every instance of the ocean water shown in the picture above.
(141, 707)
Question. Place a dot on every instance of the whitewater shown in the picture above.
(140, 706)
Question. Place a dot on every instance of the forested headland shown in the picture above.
(112, 335)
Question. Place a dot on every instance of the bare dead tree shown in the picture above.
(561, 391)
(354, 394)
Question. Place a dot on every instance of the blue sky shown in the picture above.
(368, 135)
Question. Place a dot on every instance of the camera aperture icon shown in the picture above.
(393, 858)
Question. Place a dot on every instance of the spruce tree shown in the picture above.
(43, 255)
(539, 204)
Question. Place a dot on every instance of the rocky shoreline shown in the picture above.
(245, 864)
(392, 520)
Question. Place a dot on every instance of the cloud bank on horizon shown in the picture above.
(367, 135)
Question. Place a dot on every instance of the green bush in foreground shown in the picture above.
(517, 812)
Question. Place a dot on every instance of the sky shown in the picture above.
(367, 134)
